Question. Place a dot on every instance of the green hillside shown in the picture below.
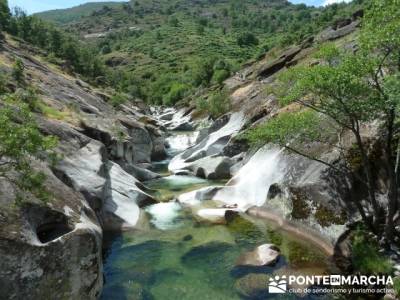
(163, 51)
(62, 16)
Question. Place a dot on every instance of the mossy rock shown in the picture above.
(301, 209)
(244, 231)
(327, 217)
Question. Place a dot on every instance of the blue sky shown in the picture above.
(32, 6)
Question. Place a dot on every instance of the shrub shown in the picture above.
(118, 99)
(18, 71)
(220, 75)
(247, 39)
(218, 103)
(20, 140)
(396, 285)
(366, 257)
(176, 93)
(286, 127)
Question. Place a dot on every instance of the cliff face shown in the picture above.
(53, 249)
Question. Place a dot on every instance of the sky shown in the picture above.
(33, 6)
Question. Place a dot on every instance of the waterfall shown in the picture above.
(250, 186)
(180, 142)
(211, 145)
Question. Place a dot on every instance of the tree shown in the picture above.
(381, 36)
(4, 15)
(350, 90)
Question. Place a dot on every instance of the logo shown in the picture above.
(277, 285)
(327, 284)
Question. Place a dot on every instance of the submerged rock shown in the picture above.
(264, 255)
(252, 285)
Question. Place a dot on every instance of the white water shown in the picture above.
(212, 144)
(164, 214)
(182, 141)
(250, 186)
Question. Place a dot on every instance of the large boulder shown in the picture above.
(271, 67)
(48, 250)
(212, 167)
(85, 171)
(115, 195)
(331, 34)
(123, 200)
(264, 255)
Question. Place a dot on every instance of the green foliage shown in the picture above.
(247, 39)
(216, 105)
(396, 285)
(285, 127)
(118, 99)
(3, 83)
(62, 16)
(182, 39)
(203, 72)
(366, 257)
(381, 26)
(176, 93)
(220, 75)
(4, 15)
(20, 140)
(338, 88)
(79, 57)
(18, 72)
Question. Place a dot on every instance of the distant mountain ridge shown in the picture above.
(67, 15)
(163, 51)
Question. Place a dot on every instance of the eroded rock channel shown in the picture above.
(200, 242)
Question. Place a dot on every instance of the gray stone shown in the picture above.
(212, 167)
(332, 34)
(48, 250)
(264, 255)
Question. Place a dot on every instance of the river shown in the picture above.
(180, 257)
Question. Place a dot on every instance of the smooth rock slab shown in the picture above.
(212, 167)
(264, 255)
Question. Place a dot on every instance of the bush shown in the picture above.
(396, 285)
(176, 93)
(220, 75)
(118, 99)
(203, 72)
(286, 127)
(216, 105)
(366, 257)
(18, 72)
(19, 142)
(247, 39)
